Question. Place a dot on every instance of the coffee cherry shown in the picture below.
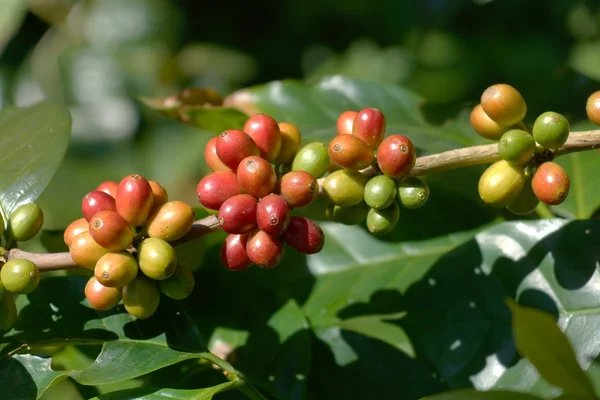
(349, 152)
(347, 215)
(484, 125)
(345, 188)
(20, 276)
(233, 146)
(179, 285)
(396, 156)
(134, 199)
(380, 192)
(298, 188)
(85, 251)
(501, 184)
(233, 252)
(211, 157)
(312, 158)
(264, 250)
(304, 235)
(108, 187)
(217, 187)
(8, 313)
(369, 126)
(100, 297)
(238, 214)
(74, 229)
(593, 107)
(156, 258)
(141, 297)
(516, 147)
(171, 221)
(413, 192)
(551, 183)
(111, 231)
(159, 194)
(380, 222)
(291, 139)
(266, 134)
(551, 130)
(25, 222)
(273, 214)
(345, 122)
(504, 104)
(2, 291)
(97, 201)
(256, 176)
(525, 203)
(116, 269)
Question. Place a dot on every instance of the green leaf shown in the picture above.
(585, 57)
(474, 395)
(171, 394)
(538, 338)
(33, 142)
(584, 195)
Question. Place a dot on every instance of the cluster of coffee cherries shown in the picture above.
(125, 238)
(526, 173)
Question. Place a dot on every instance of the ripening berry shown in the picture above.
(8, 313)
(551, 130)
(238, 214)
(265, 132)
(396, 156)
(345, 122)
(171, 221)
(304, 235)
(156, 258)
(298, 188)
(111, 231)
(380, 192)
(369, 126)
(413, 192)
(291, 140)
(350, 153)
(217, 187)
(380, 222)
(108, 187)
(484, 125)
(141, 297)
(233, 146)
(179, 285)
(525, 203)
(347, 215)
(25, 222)
(100, 297)
(504, 104)
(516, 146)
(159, 194)
(592, 107)
(20, 276)
(256, 176)
(501, 183)
(264, 250)
(74, 229)
(345, 188)
(85, 251)
(273, 214)
(97, 201)
(116, 269)
(134, 199)
(312, 158)
(233, 252)
(551, 183)
(211, 157)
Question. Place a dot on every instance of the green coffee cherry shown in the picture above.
(345, 188)
(347, 215)
(179, 285)
(312, 158)
(25, 222)
(413, 192)
(380, 222)
(551, 130)
(516, 146)
(526, 202)
(156, 258)
(8, 312)
(141, 297)
(2, 290)
(501, 183)
(20, 276)
(380, 192)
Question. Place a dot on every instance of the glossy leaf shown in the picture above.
(584, 195)
(474, 395)
(147, 393)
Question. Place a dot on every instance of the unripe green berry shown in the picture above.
(516, 146)
(380, 222)
(291, 139)
(413, 192)
(20, 276)
(179, 285)
(312, 158)
(141, 297)
(25, 222)
(156, 258)
(347, 215)
(8, 312)
(345, 188)
(551, 130)
(380, 192)
(526, 202)
(501, 184)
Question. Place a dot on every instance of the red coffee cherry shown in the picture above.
(211, 157)
(238, 214)
(369, 126)
(551, 183)
(111, 231)
(134, 199)
(264, 250)
(85, 251)
(108, 187)
(273, 214)
(233, 146)
(96, 201)
(256, 176)
(266, 134)
(304, 235)
(101, 298)
(298, 188)
(217, 187)
(74, 229)
(396, 156)
(159, 194)
(350, 153)
(345, 122)
(233, 252)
